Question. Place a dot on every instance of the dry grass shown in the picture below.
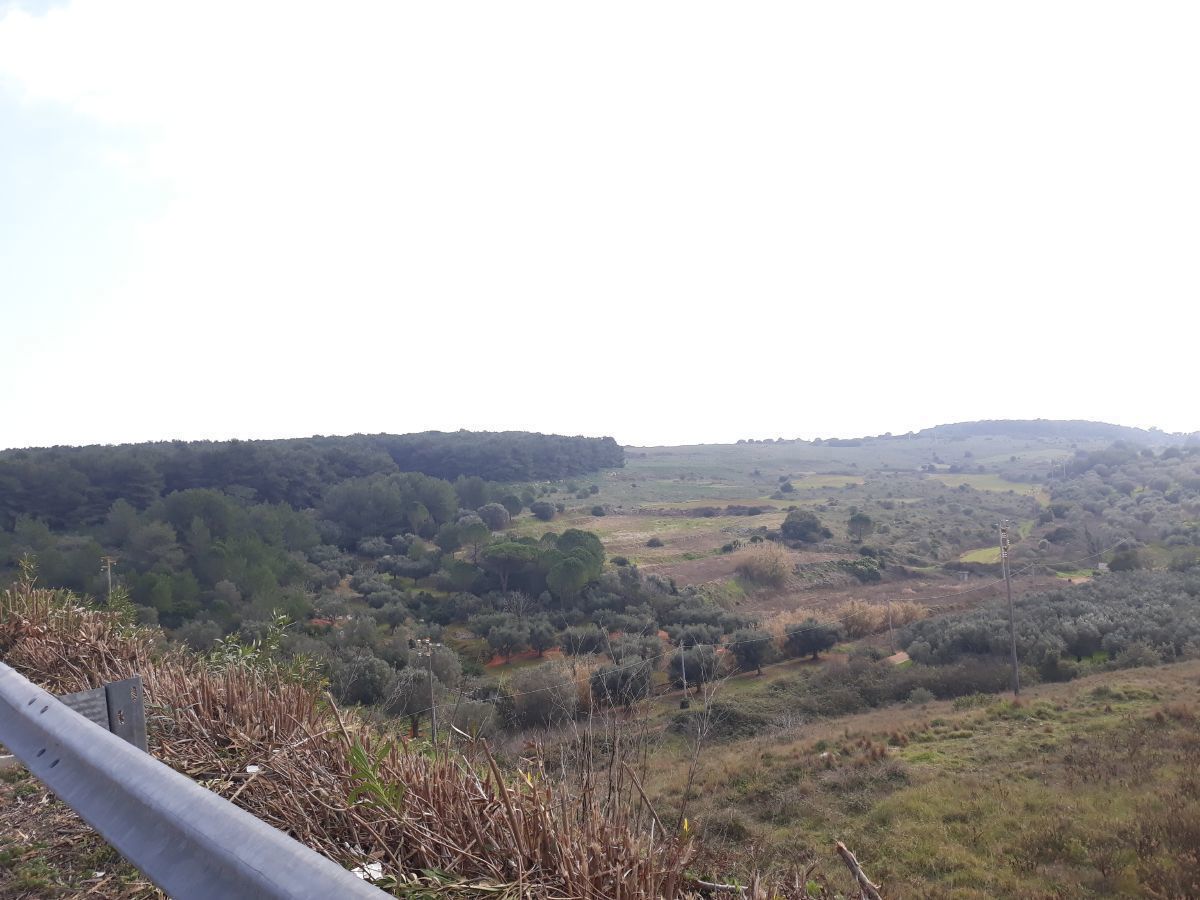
(860, 618)
(782, 622)
(342, 784)
(768, 564)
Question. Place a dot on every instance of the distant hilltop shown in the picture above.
(1066, 430)
(1056, 429)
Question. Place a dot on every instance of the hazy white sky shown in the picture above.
(665, 221)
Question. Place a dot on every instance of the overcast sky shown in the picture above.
(670, 222)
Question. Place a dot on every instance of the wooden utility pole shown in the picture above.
(425, 648)
(1012, 625)
(109, 562)
(432, 699)
(684, 703)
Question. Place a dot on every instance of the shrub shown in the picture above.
(542, 509)
(1129, 559)
(860, 618)
(544, 695)
(542, 636)
(920, 696)
(474, 717)
(495, 516)
(692, 635)
(654, 542)
(811, 636)
(802, 525)
(906, 611)
(726, 826)
(768, 564)
(750, 647)
(598, 510)
(374, 546)
(701, 664)
(508, 639)
(582, 640)
(729, 719)
(865, 570)
(622, 685)
(1136, 655)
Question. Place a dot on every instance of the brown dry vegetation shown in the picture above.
(448, 811)
(336, 781)
(860, 618)
(768, 565)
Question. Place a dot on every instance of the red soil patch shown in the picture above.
(495, 661)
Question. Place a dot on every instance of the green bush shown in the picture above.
(728, 719)
(542, 510)
(920, 696)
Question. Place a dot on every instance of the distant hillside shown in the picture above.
(1052, 429)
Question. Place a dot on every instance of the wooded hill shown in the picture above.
(71, 486)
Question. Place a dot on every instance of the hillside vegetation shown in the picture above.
(683, 613)
(1088, 789)
(337, 782)
(71, 486)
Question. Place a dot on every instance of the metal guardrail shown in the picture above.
(187, 840)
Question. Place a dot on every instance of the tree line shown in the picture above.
(67, 487)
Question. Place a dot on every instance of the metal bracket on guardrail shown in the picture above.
(119, 706)
(187, 840)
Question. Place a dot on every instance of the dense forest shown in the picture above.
(70, 486)
(228, 532)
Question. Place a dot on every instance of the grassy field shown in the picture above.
(1085, 789)
(982, 555)
(989, 482)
